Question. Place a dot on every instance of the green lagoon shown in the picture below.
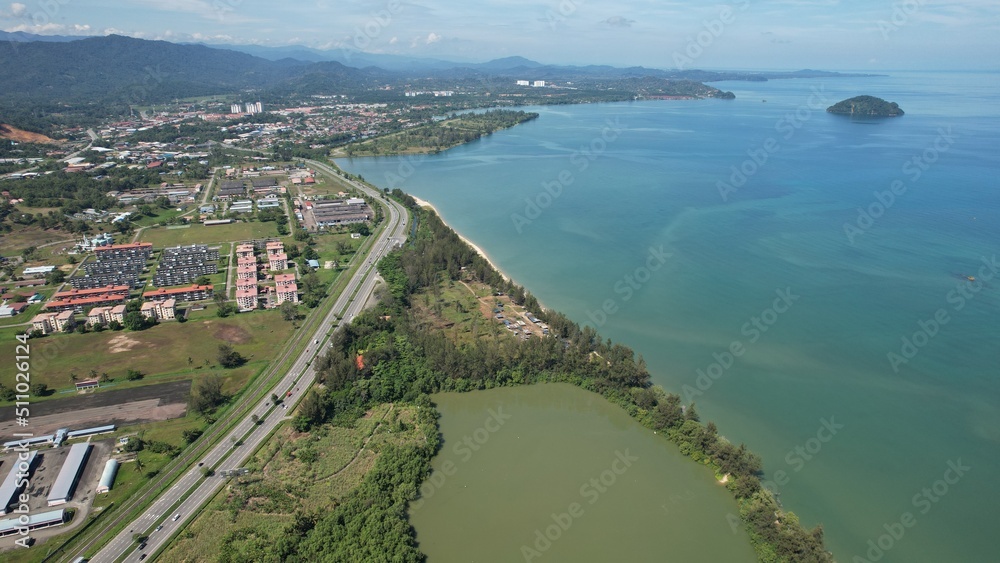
(556, 473)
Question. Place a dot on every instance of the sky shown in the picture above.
(743, 34)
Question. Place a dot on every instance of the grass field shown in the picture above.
(291, 472)
(166, 352)
(162, 237)
(23, 237)
(161, 215)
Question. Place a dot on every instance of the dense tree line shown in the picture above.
(389, 354)
(441, 135)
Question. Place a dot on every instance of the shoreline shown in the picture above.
(479, 251)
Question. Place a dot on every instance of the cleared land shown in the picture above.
(119, 407)
(167, 352)
(21, 136)
(292, 472)
(200, 234)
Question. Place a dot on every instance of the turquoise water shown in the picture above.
(637, 176)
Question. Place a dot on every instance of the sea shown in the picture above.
(826, 289)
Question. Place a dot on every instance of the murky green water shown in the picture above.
(555, 473)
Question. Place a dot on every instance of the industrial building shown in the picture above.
(340, 212)
(11, 526)
(17, 479)
(232, 189)
(91, 431)
(69, 475)
(108, 477)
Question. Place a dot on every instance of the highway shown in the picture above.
(182, 501)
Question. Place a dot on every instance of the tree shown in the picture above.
(133, 374)
(230, 358)
(255, 419)
(206, 394)
(289, 311)
(55, 277)
(39, 389)
(202, 280)
(135, 321)
(6, 393)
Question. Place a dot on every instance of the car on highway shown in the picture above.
(143, 556)
(158, 528)
(176, 517)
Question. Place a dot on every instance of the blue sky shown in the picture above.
(789, 34)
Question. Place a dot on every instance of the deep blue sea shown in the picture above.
(803, 277)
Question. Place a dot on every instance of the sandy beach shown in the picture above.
(480, 251)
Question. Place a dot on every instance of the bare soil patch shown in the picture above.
(21, 136)
(233, 334)
(122, 343)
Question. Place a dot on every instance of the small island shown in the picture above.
(866, 106)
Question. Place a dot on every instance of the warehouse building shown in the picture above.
(12, 526)
(69, 475)
(108, 477)
(17, 479)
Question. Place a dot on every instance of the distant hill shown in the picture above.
(123, 69)
(22, 37)
(866, 106)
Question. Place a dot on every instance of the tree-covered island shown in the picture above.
(866, 106)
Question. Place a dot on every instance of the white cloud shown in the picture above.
(433, 38)
(394, 40)
(17, 9)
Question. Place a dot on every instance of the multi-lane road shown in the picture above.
(181, 502)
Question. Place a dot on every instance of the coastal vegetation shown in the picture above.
(389, 354)
(866, 106)
(441, 135)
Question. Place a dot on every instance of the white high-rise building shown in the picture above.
(235, 108)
